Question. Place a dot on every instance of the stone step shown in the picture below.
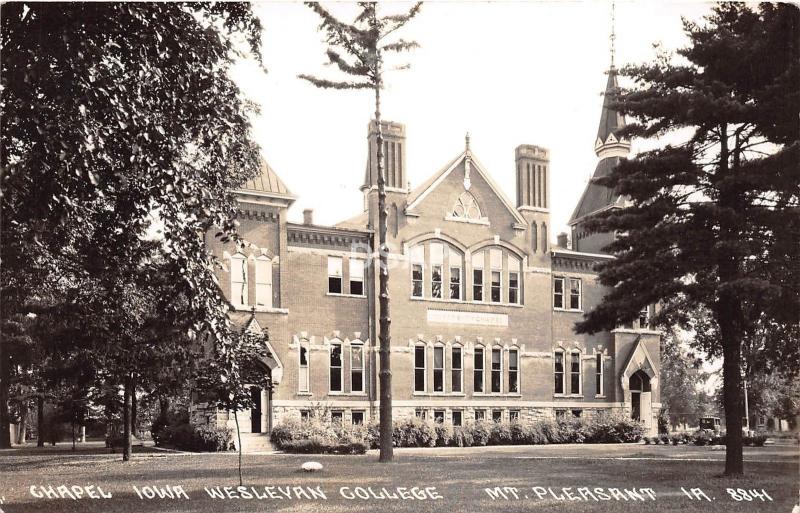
(255, 442)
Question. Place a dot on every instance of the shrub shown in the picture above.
(664, 439)
(321, 445)
(462, 437)
(675, 439)
(414, 432)
(444, 434)
(647, 440)
(205, 438)
(500, 434)
(552, 432)
(480, 433)
(701, 438)
(759, 440)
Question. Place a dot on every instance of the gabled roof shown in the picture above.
(419, 193)
(610, 119)
(638, 357)
(266, 183)
(597, 197)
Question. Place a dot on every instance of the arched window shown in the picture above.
(263, 281)
(534, 237)
(513, 370)
(357, 366)
(239, 279)
(457, 369)
(478, 366)
(437, 269)
(544, 237)
(420, 369)
(438, 368)
(336, 366)
(497, 370)
(303, 361)
(575, 373)
(466, 207)
(558, 371)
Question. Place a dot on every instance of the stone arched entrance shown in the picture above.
(639, 386)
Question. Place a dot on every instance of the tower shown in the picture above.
(610, 148)
(533, 194)
(394, 155)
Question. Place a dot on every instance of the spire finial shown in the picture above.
(613, 34)
(466, 140)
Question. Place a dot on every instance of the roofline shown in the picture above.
(587, 256)
(328, 229)
(577, 220)
(262, 194)
(486, 176)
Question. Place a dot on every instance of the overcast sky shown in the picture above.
(509, 73)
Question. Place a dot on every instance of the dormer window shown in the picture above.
(466, 207)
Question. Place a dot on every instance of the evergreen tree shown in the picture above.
(358, 50)
(713, 219)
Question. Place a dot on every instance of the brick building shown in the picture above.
(483, 305)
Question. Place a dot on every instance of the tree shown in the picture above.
(713, 218)
(111, 130)
(358, 51)
(680, 380)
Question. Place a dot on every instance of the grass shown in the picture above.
(460, 476)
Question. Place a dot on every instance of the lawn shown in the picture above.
(537, 476)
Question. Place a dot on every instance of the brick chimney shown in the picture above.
(562, 240)
(308, 216)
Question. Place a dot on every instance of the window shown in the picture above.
(303, 374)
(336, 367)
(356, 277)
(437, 258)
(558, 292)
(575, 373)
(513, 371)
(334, 275)
(496, 261)
(417, 263)
(337, 416)
(419, 369)
(305, 414)
(238, 279)
(574, 294)
(438, 416)
(263, 281)
(599, 374)
(466, 207)
(513, 415)
(456, 365)
(513, 280)
(561, 415)
(577, 414)
(358, 417)
(480, 415)
(455, 275)
(558, 372)
(356, 368)
(497, 370)
(477, 276)
(497, 415)
(477, 373)
(457, 419)
(644, 318)
(421, 414)
(438, 369)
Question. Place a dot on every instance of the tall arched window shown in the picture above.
(336, 366)
(534, 237)
(303, 364)
(263, 281)
(239, 279)
(466, 207)
(558, 371)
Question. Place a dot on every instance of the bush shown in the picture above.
(480, 432)
(205, 438)
(462, 437)
(676, 439)
(315, 436)
(701, 438)
(759, 440)
(664, 439)
(414, 432)
(500, 434)
(320, 445)
(444, 434)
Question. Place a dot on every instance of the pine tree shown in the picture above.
(713, 219)
(358, 50)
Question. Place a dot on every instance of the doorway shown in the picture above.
(639, 385)
(255, 411)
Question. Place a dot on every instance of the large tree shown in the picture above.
(358, 50)
(713, 218)
(111, 130)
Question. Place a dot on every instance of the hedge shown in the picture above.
(317, 436)
(202, 438)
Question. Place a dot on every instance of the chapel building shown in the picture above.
(483, 305)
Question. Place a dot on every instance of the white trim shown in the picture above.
(307, 344)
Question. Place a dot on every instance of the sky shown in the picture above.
(509, 73)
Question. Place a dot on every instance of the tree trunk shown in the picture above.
(384, 336)
(40, 420)
(239, 438)
(134, 410)
(126, 419)
(23, 421)
(5, 385)
(72, 425)
(729, 314)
